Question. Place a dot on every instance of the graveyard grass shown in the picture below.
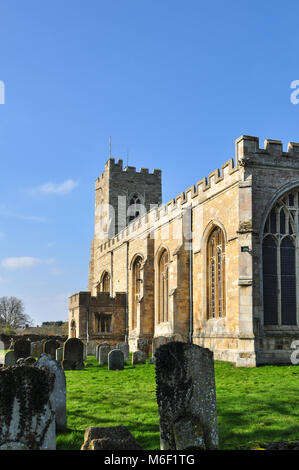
(254, 406)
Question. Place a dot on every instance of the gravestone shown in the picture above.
(58, 395)
(138, 357)
(186, 397)
(159, 341)
(143, 345)
(124, 347)
(22, 348)
(36, 348)
(73, 354)
(109, 438)
(27, 419)
(59, 354)
(152, 360)
(9, 358)
(98, 349)
(116, 360)
(103, 355)
(50, 346)
(91, 348)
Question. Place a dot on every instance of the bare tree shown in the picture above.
(12, 313)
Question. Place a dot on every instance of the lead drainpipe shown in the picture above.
(190, 275)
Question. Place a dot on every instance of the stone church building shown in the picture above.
(217, 265)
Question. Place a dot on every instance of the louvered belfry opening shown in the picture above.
(280, 258)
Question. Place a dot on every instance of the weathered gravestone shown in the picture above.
(50, 346)
(91, 348)
(186, 397)
(27, 419)
(22, 348)
(58, 395)
(152, 360)
(36, 348)
(138, 357)
(109, 438)
(9, 359)
(159, 341)
(124, 347)
(143, 345)
(73, 354)
(98, 349)
(59, 354)
(103, 355)
(116, 360)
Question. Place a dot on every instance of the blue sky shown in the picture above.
(173, 82)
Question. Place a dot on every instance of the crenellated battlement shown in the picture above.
(115, 168)
(247, 153)
(176, 204)
(248, 150)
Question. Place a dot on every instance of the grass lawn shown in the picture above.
(254, 405)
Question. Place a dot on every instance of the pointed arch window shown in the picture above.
(104, 285)
(136, 288)
(280, 258)
(216, 274)
(163, 288)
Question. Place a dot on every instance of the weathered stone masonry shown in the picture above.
(146, 265)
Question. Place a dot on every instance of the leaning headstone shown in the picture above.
(124, 347)
(50, 346)
(116, 360)
(73, 354)
(27, 419)
(109, 438)
(9, 358)
(59, 354)
(36, 348)
(103, 355)
(138, 357)
(186, 397)
(58, 395)
(22, 348)
(143, 345)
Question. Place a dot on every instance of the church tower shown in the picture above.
(121, 195)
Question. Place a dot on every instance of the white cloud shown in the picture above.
(56, 188)
(24, 262)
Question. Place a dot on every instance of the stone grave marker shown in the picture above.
(73, 354)
(124, 347)
(50, 346)
(103, 355)
(36, 348)
(22, 348)
(9, 358)
(109, 438)
(116, 360)
(27, 419)
(186, 397)
(59, 354)
(58, 395)
(138, 357)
